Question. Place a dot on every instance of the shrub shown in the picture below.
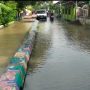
(8, 13)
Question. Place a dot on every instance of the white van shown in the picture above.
(41, 14)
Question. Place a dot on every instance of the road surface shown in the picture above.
(61, 58)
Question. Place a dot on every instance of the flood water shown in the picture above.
(11, 38)
(61, 58)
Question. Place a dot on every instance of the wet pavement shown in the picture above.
(61, 58)
(11, 38)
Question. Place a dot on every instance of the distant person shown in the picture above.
(51, 16)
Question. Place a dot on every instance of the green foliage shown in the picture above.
(0, 19)
(51, 7)
(20, 4)
(29, 7)
(12, 13)
(11, 4)
(8, 12)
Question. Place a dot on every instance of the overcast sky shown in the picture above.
(55, 2)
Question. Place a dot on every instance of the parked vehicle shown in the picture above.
(41, 14)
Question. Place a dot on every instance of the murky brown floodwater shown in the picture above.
(11, 38)
(61, 58)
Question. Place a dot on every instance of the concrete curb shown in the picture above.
(17, 69)
(34, 25)
(2, 26)
(11, 22)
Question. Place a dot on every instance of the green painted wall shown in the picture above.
(68, 14)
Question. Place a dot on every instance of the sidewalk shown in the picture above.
(11, 38)
(84, 21)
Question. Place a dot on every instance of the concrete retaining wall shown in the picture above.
(16, 71)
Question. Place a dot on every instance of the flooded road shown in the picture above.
(61, 58)
(11, 38)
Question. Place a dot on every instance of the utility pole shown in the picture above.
(76, 9)
(89, 9)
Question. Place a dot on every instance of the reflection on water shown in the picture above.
(60, 59)
(42, 43)
(78, 36)
(11, 38)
